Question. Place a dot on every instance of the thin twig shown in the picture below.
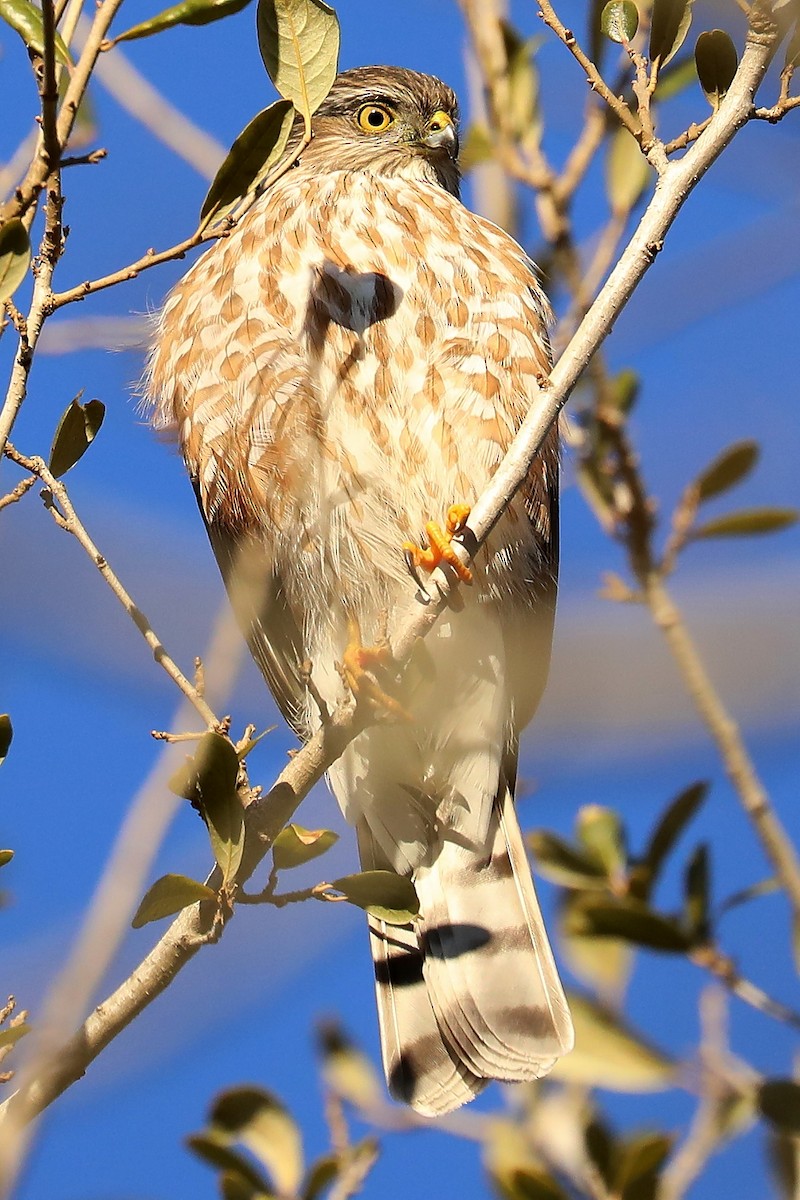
(59, 505)
(151, 258)
(739, 767)
(593, 76)
(17, 492)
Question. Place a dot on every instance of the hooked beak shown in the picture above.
(442, 137)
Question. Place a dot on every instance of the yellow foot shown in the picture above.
(357, 669)
(439, 545)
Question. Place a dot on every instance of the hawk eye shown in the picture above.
(374, 118)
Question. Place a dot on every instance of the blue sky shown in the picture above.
(713, 332)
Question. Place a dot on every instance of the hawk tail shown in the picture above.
(470, 992)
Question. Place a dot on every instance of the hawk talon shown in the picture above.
(440, 549)
(357, 661)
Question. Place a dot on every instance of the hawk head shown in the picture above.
(388, 121)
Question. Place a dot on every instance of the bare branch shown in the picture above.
(59, 505)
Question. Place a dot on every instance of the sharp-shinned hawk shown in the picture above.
(356, 355)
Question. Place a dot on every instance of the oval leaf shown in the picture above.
(383, 894)
(6, 735)
(168, 895)
(9, 1037)
(191, 12)
(638, 1162)
(476, 147)
(563, 864)
(627, 172)
(611, 1055)
(728, 468)
(696, 905)
(209, 781)
(779, 1102)
(295, 845)
(258, 1119)
(26, 19)
(671, 825)
(76, 431)
(619, 21)
(669, 25)
(257, 149)
(15, 256)
(604, 963)
(213, 1148)
(602, 836)
(299, 43)
(717, 60)
(747, 523)
(346, 1069)
(6, 857)
(629, 921)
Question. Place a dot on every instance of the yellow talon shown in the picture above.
(439, 544)
(359, 659)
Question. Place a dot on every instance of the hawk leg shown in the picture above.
(439, 548)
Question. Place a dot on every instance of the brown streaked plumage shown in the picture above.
(353, 358)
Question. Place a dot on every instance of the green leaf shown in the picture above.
(764, 887)
(628, 172)
(624, 388)
(674, 79)
(209, 781)
(383, 894)
(295, 845)
(563, 864)
(214, 1149)
(256, 1118)
(696, 903)
(517, 1174)
(323, 1172)
(299, 43)
(523, 116)
(747, 523)
(6, 857)
(730, 467)
(779, 1103)
(15, 256)
(604, 963)
(476, 147)
(638, 1164)
(346, 1069)
(629, 920)
(612, 1055)
(168, 895)
(783, 1152)
(190, 12)
(234, 1186)
(9, 1037)
(76, 431)
(619, 21)
(602, 836)
(669, 25)
(792, 56)
(717, 60)
(26, 19)
(671, 825)
(6, 735)
(256, 151)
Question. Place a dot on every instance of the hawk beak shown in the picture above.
(442, 136)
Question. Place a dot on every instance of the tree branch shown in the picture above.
(60, 507)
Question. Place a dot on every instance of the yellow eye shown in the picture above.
(439, 121)
(374, 118)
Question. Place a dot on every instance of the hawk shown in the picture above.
(356, 355)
